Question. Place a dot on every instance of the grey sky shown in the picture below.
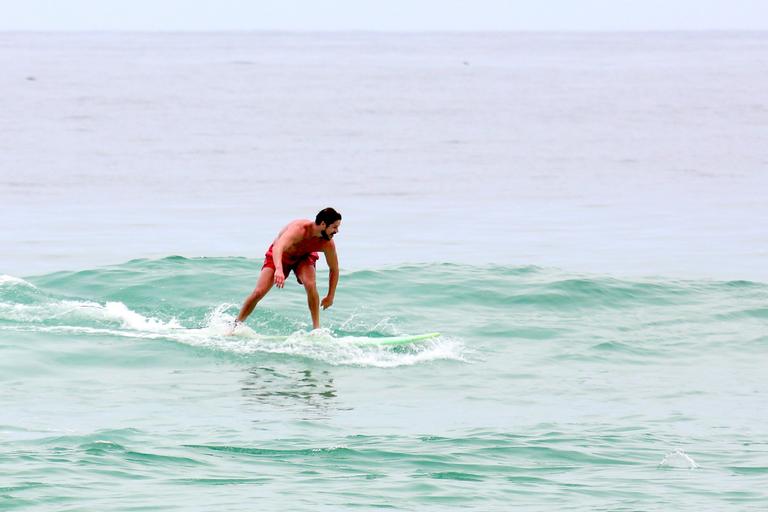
(383, 15)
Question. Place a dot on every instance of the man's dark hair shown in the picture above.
(327, 215)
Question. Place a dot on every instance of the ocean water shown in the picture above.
(582, 217)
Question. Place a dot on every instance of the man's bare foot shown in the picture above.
(231, 330)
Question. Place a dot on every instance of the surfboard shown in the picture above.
(384, 341)
(393, 341)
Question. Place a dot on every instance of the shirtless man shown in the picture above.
(296, 248)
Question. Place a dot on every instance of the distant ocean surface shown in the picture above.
(582, 216)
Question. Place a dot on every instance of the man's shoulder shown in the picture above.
(299, 224)
(294, 230)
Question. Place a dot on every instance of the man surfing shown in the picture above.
(295, 249)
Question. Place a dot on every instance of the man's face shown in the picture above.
(331, 230)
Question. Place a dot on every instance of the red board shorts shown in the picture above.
(312, 257)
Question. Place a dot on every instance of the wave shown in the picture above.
(192, 301)
(49, 313)
(195, 280)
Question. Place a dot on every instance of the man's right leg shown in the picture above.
(263, 285)
(305, 272)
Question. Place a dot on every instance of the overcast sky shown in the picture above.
(383, 14)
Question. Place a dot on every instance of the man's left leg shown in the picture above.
(305, 273)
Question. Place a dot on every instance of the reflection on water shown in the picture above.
(302, 389)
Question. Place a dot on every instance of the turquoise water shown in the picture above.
(582, 217)
(548, 390)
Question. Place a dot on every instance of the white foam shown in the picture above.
(361, 320)
(218, 321)
(75, 310)
(678, 459)
(132, 320)
(84, 330)
(217, 334)
(320, 345)
(12, 280)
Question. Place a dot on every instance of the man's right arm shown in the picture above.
(290, 236)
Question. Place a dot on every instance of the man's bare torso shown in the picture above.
(308, 243)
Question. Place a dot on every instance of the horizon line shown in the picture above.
(385, 31)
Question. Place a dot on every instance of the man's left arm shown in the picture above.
(333, 274)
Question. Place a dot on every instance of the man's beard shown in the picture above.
(325, 235)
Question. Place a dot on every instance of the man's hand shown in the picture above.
(326, 302)
(279, 278)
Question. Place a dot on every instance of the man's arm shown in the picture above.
(291, 235)
(333, 274)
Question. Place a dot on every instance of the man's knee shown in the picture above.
(310, 285)
(308, 280)
(258, 294)
(306, 276)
